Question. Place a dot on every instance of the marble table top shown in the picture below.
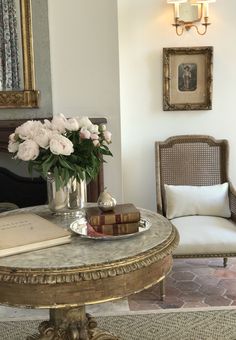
(83, 252)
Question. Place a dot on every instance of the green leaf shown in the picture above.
(46, 166)
(65, 164)
(80, 172)
(48, 158)
(58, 182)
(105, 150)
(30, 168)
(67, 177)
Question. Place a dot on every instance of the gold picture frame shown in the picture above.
(187, 78)
(29, 96)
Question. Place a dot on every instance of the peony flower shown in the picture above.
(93, 128)
(13, 137)
(59, 123)
(72, 124)
(96, 142)
(85, 134)
(28, 129)
(47, 124)
(84, 122)
(94, 136)
(60, 145)
(28, 150)
(102, 127)
(13, 146)
(107, 135)
(64, 147)
(42, 137)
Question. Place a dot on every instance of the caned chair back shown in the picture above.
(190, 160)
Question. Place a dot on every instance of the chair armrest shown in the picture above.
(232, 201)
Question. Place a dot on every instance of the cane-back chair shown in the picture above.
(195, 160)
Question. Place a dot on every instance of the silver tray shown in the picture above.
(80, 227)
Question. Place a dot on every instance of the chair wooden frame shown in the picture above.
(186, 168)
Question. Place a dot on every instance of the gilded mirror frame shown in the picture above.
(29, 96)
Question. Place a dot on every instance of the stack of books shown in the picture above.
(124, 219)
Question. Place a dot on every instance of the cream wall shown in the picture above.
(144, 29)
(85, 80)
(85, 68)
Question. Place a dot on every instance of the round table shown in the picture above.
(68, 277)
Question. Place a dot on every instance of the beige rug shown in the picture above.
(198, 325)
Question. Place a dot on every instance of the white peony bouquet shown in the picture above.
(68, 148)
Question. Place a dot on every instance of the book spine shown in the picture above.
(117, 229)
(113, 219)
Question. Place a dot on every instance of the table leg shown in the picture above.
(162, 290)
(71, 324)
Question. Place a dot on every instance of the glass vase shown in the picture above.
(69, 199)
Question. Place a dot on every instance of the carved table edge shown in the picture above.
(88, 273)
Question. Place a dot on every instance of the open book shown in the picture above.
(24, 232)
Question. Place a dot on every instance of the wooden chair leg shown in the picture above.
(162, 290)
(225, 260)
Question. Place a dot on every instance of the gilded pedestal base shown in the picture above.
(71, 324)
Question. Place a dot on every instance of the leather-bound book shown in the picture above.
(117, 228)
(122, 213)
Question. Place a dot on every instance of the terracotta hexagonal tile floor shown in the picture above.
(192, 283)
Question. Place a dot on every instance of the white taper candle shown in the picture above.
(176, 10)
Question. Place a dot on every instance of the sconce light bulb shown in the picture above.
(206, 10)
(176, 4)
(176, 10)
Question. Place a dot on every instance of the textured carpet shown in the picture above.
(200, 325)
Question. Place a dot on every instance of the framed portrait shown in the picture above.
(187, 78)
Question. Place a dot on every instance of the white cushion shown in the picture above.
(205, 235)
(183, 200)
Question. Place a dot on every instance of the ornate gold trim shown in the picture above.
(72, 323)
(29, 97)
(73, 305)
(19, 99)
(204, 255)
(89, 273)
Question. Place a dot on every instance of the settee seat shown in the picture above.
(205, 235)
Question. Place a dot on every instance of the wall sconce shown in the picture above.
(189, 13)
